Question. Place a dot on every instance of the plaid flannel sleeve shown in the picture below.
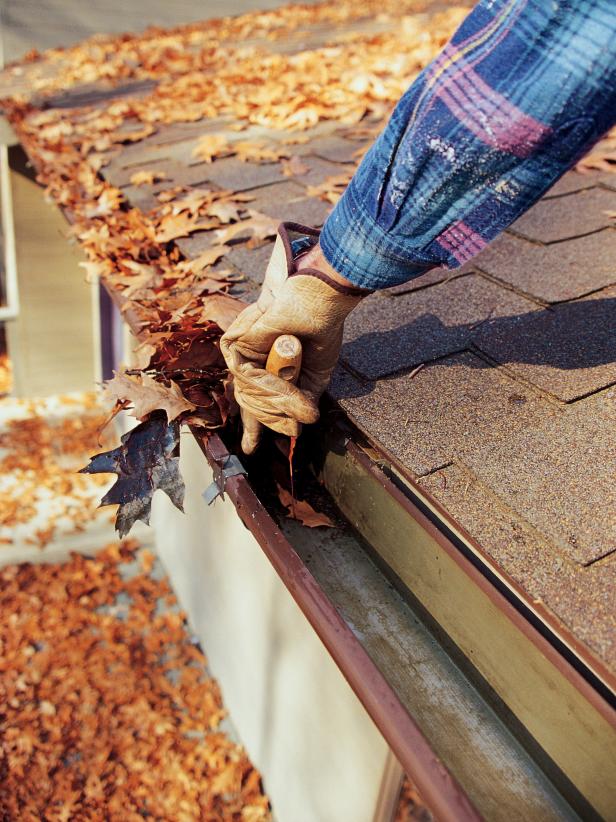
(521, 91)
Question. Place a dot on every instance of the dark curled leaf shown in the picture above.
(147, 459)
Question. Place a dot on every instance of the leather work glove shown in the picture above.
(310, 305)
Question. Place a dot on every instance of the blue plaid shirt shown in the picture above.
(522, 91)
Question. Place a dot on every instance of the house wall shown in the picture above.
(52, 343)
(321, 756)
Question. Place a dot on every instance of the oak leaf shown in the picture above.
(142, 178)
(225, 210)
(108, 202)
(210, 146)
(193, 201)
(146, 395)
(302, 510)
(96, 269)
(169, 194)
(221, 309)
(172, 226)
(147, 459)
(204, 260)
(294, 167)
(260, 226)
(258, 152)
(146, 276)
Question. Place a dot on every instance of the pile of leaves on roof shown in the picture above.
(107, 709)
(241, 72)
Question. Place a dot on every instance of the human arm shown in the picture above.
(523, 89)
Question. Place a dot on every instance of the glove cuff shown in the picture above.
(293, 247)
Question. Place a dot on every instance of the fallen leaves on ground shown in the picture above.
(108, 709)
(40, 453)
(302, 511)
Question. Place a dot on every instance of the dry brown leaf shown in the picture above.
(210, 146)
(142, 355)
(96, 269)
(146, 395)
(204, 260)
(221, 309)
(193, 201)
(172, 226)
(294, 167)
(332, 188)
(108, 202)
(260, 227)
(258, 152)
(132, 284)
(142, 178)
(302, 510)
(597, 161)
(225, 210)
(169, 194)
(134, 135)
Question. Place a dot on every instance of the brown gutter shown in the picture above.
(479, 579)
(437, 786)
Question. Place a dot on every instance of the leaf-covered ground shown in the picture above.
(108, 710)
(43, 443)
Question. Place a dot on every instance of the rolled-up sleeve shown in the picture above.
(519, 94)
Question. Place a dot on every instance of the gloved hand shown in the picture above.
(307, 303)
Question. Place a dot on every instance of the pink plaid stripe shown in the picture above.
(461, 241)
(485, 112)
